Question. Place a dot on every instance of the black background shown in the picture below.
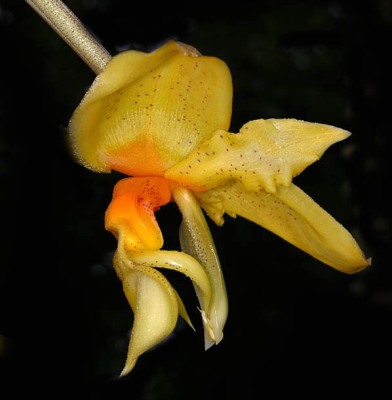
(294, 325)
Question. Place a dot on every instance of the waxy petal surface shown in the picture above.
(147, 111)
(127, 263)
(180, 262)
(293, 215)
(262, 156)
(155, 315)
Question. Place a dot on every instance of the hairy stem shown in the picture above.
(73, 32)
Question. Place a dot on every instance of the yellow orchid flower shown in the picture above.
(162, 118)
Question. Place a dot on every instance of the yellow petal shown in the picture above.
(263, 155)
(292, 215)
(180, 262)
(156, 311)
(147, 331)
(196, 240)
(147, 111)
(127, 276)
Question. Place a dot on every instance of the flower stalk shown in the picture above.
(73, 32)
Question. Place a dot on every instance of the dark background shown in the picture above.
(294, 325)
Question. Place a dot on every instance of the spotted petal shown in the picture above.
(263, 155)
(293, 215)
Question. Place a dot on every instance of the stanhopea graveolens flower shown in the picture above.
(162, 119)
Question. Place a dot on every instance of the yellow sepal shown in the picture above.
(147, 111)
(293, 215)
(262, 156)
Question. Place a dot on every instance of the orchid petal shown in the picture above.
(292, 215)
(126, 264)
(147, 111)
(180, 262)
(263, 155)
(155, 314)
(196, 240)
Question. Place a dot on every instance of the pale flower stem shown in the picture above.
(73, 32)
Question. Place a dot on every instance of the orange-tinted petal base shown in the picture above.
(138, 159)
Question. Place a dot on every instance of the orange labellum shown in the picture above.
(130, 215)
